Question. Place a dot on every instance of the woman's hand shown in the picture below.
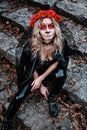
(44, 91)
(36, 83)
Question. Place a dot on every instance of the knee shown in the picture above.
(60, 74)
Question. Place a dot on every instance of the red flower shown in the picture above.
(43, 14)
(50, 13)
(58, 18)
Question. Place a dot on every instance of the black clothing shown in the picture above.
(25, 68)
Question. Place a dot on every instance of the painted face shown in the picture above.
(47, 30)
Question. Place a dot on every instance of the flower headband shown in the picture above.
(43, 14)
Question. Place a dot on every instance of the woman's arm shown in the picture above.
(49, 70)
(44, 91)
(37, 82)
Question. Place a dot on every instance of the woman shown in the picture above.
(44, 60)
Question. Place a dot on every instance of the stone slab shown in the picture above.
(8, 44)
(73, 11)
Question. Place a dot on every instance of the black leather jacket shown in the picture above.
(26, 65)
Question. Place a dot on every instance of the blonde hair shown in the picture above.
(37, 41)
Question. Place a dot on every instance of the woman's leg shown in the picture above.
(15, 104)
(57, 84)
(18, 99)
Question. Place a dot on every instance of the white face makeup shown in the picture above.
(47, 30)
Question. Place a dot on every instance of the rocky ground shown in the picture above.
(34, 113)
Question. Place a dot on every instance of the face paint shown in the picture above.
(47, 30)
(44, 26)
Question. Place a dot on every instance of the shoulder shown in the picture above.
(22, 52)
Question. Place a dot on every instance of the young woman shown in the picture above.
(43, 61)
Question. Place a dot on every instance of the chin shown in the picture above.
(47, 41)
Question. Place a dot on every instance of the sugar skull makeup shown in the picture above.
(47, 30)
(44, 26)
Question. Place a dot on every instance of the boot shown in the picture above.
(6, 125)
(53, 108)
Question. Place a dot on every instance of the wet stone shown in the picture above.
(4, 5)
(7, 46)
(73, 11)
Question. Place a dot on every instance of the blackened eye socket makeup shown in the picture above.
(44, 26)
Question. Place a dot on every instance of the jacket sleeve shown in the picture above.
(23, 57)
(60, 58)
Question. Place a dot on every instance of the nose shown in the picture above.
(47, 30)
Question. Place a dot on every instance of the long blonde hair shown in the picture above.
(37, 41)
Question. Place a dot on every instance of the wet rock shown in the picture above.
(73, 11)
(7, 46)
(4, 5)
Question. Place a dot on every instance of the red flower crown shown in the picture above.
(43, 14)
